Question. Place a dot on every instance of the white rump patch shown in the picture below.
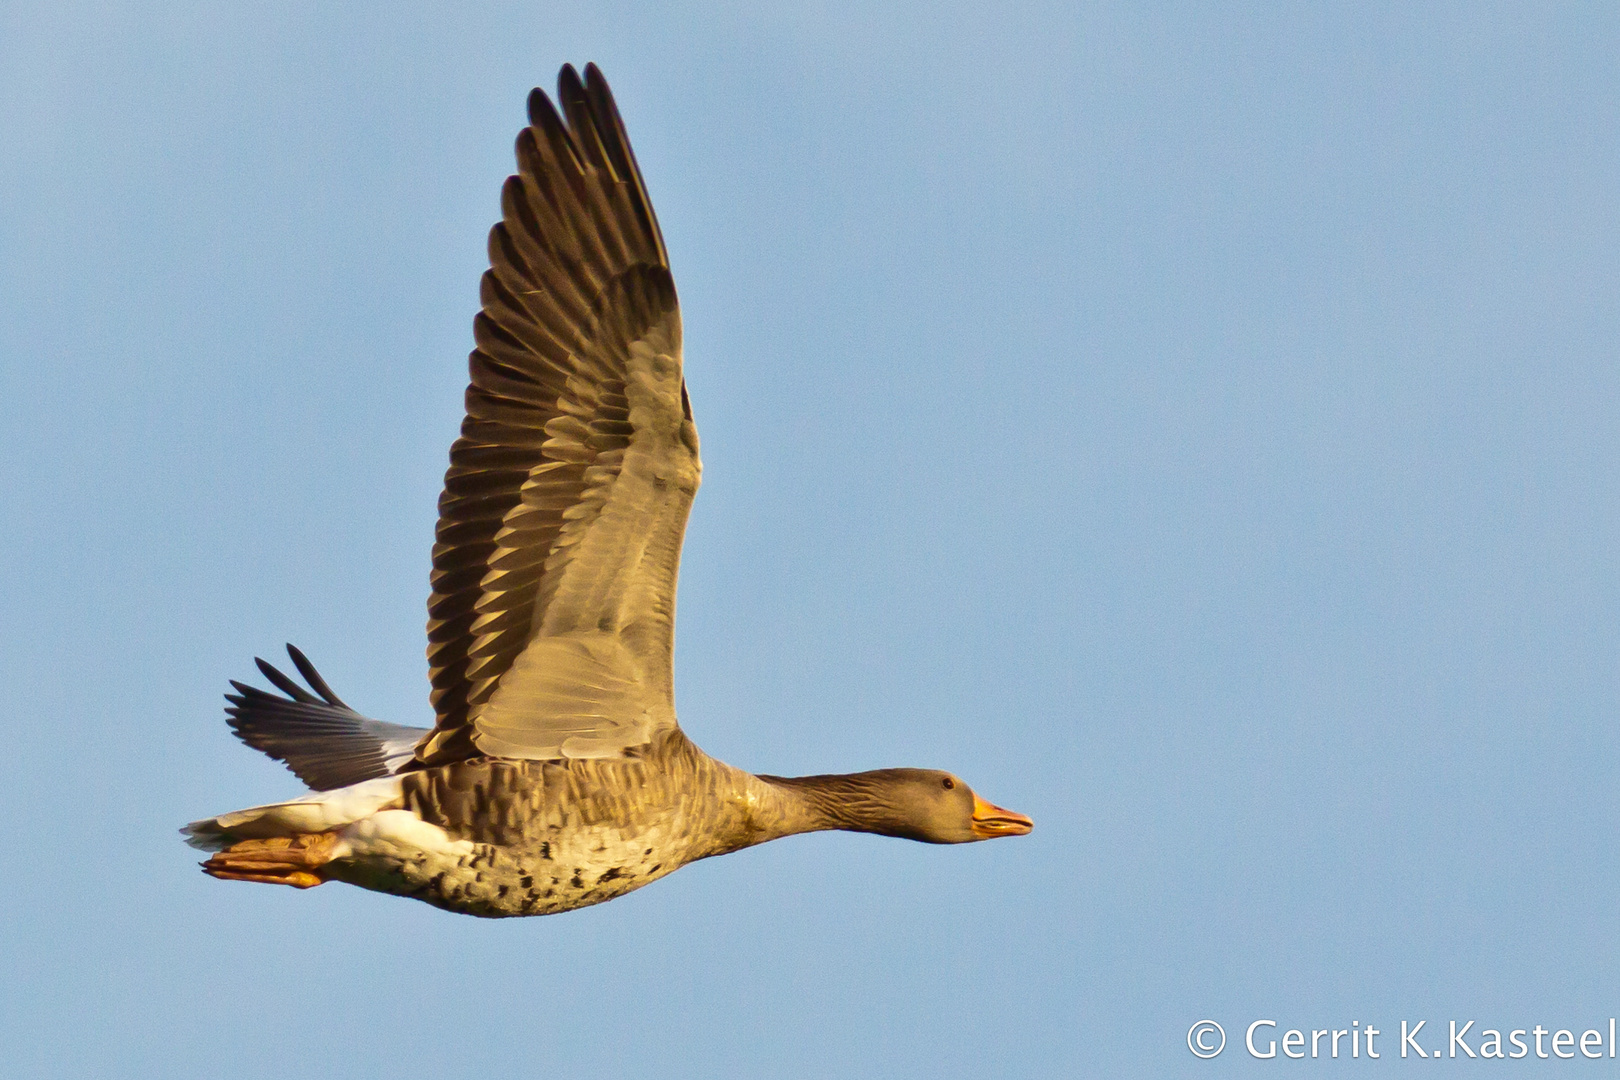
(317, 812)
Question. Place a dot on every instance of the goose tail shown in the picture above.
(317, 812)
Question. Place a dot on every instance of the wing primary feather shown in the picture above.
(543, 116)
(571, 95)
(600, 101)
(284, 684)
(597, 85)
(313, 677)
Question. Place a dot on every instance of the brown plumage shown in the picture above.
(556, 775)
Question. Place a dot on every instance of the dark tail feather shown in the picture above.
(324, 742)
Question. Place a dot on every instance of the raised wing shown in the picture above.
(551, 625)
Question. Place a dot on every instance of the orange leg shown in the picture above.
(281, 860)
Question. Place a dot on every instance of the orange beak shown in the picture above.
(990, 820)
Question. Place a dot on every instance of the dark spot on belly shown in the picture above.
(502, 890)
(656, 867)
(647, 852)
(526, 880)
(577, 881)
(609, 875)
(545, 849)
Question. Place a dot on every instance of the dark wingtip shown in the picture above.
(313, 677)
(568, 81)
(539, 105)
(283, 683)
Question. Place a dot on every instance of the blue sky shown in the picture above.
(1198, 426)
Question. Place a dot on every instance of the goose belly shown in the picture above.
(396, 852)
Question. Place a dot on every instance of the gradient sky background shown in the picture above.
(1198, 425)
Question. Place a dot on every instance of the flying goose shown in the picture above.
(555, 775)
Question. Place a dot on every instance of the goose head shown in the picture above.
(938, 808)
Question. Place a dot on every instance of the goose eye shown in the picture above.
(949, 783)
